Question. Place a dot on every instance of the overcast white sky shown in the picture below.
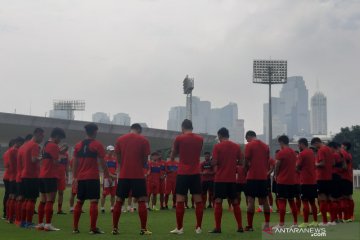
(132, 55)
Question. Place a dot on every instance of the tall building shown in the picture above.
(101, 117)
(209, 120)
(121, 119)
(318, 114)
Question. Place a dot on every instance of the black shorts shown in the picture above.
(224, 190)
(6, 185)
(207, 186)
(256, 188)
(346, 187)
(184, 183)
(285, 191)
(268, 185)
(297, 190)
(336, 191)
(308, 191)
(88, 189)
(31, 188)
(47, 185)
(137, 187)
(240, 187)
(273, 186)
(19, 189)
(12, 187)
(324, 187)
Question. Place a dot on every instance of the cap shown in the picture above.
(110, 148)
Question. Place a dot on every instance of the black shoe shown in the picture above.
(115, 231)
(215, 231)
(96, 231)
(241, 230)
(61, 213)
(209, 206)
(249, 229)
(102, 210)
(76, 231)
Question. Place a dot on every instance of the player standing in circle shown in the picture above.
(285, 168)
(306, 167)
(109, 184)
(347, 203)
(171, 173)
(207, 179)
(154, 175)
(132, 151)
(63, 171)
(324, 163)
(86, 174)
(226, 155)
(188, 146)
(257, 156)
(6, 180)
(48, 179)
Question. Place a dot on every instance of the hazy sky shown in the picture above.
(132, 55)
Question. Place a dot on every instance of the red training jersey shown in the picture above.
(287, 169)
(324, 172)
(134, 149)
(257, 155)
(6, 165)
(338, 164)
(12, 168)
(30, 169)
(154, 171)
(188, 146)
(348, 174)
(171, 169)
(19, 163)
(49, 163)
(306, 163)
(111, 163)
(63, 165)
(240, 174)
(207, 171)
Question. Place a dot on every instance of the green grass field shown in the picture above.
(160, 223)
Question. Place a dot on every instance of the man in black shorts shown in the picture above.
(207, 179)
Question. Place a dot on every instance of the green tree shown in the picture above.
(351, 135)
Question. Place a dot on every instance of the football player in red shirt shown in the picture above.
(240, 180)
(257, 156)
(86, 174)
(63, 175)
(226, 155)
(153, 176)
(188, 146)
(48, 179)
(306, 168)
(347, 203)
(207, 179)
(162, 180)
(297, 186)
(171, 173)
(6, 179)
(30, 174)
(324, 163)
(285, 168)
(132, 151)
(109, 184)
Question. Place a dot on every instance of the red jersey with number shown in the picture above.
(208, 171)
(324, 172)
(19, 163)
(287, 169)
(189, 147)
(226, 154)
(240, 174)
(31, 169)
(49, 163)
(134, 149)
(6, 165)
(307, 167)
(171, 170)
(12, 163)
(257, 155)
(87, 167)
(63, 165)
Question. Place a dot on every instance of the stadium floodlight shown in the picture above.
(69, 106)
(188, 86)
(270, 72)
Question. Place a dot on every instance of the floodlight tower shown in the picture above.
(188, 85)
(270, 72)
(69, 106)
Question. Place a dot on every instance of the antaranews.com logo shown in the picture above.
(311, 231)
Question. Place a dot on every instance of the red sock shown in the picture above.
(77, 214)
(271, 199)
(237, 215)
(7, 208)
(351, 208)
(343, 208)
(294, 210)
(282, 210)
(211, 198)
(30, 207)
(18, 210)
(204, 199)
(314, 209)
(116, 214)
(180, 211)
(12, 208)
(23, 211)
(323, 210)
(93, 214)
(306, 210)
(166, 199)
(250, 216)
(199, 211)
(298, 204)
(334, 210)
(218, 214)
(161, 200)
(143, 214)
(267, 217)
(49, 211)
(59, 207)
(41, 212)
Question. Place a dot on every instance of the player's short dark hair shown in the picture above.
(333, 144)
(347, 145)
(207, 153)
(19, 140)
(303, 141)
(223, 132)
(28, 137)
(250, 134)
(38, 131)
(58, 132)
(277, 150)
(315, 140)
(284, 139)
(187, 124)
(91, 128)
(11, 143)
(155, 154)
(137, 127)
